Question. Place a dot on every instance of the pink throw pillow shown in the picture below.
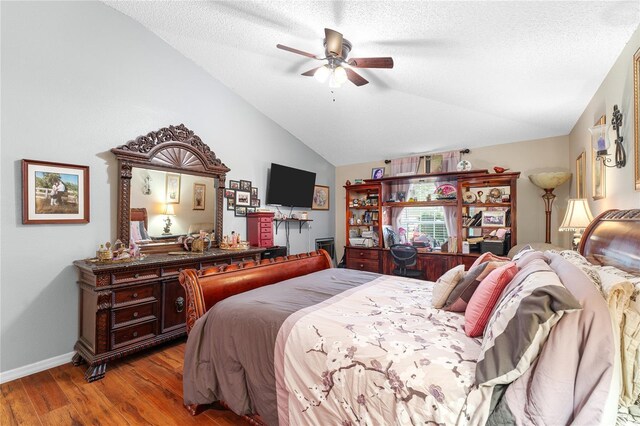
(489, 257)
(485, 298)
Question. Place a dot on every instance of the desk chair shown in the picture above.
(404, 256)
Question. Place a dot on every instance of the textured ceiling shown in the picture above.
(466, 74)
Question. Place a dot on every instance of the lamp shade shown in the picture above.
(168, 210)
(549, 180)
(578, 215)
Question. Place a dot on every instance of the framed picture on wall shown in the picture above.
(254, 192)
(172, 188)
(230, 193)
(243, 198)
(581, 166)
(199, 191)
(231, 204)
(255, 202)
(245, 185)
(598, 173)
(54, 193)
(241, 211)
(234, 184)
(320, 198)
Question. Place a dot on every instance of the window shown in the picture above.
(424, 222)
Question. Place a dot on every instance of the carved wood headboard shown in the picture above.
(613, 239)
(140, 214)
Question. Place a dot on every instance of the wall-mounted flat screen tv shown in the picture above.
(290, 187)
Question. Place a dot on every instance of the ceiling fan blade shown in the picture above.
(385, 62)
(299, 52)
(355, 78)
(333, 40)
(311, 72)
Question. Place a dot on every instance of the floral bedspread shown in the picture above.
(378, 354)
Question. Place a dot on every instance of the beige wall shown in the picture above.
(527, 157)
(616, 89)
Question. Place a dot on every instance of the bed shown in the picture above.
(302, 343)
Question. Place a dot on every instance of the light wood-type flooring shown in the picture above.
(140, 390)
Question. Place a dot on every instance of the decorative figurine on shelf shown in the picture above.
(499, 169)
(348, 182)
(480, 196)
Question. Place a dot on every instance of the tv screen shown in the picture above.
(290, 187)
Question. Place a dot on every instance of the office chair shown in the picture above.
(404, 256)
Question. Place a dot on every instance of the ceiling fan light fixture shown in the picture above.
(322, 74)
(340, 75)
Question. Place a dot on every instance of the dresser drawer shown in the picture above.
(265, 225)
(175, 270)
(265, 220)
(133, 276)
(141, 312)
(134, 294)
(363, 265)
(133, 333)
(266, 235)
(362, 254)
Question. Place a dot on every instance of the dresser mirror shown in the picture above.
(170, 184)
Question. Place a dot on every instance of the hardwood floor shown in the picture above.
(141, 390)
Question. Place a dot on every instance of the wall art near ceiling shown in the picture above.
(54, 193)
(199, 192)
(320, 198)
(598, 173)
(636, 115)
(581, 168)
(377, 173)
(172, 188)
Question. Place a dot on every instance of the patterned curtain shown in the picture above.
(450, 162)
(398, 166)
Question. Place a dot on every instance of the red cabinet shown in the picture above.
(260, 229)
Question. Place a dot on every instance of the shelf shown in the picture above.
(421, 203)
(486, 227)
(364, 224)
(288, 221)
(444, 176)
(507, 205)
(365, 207)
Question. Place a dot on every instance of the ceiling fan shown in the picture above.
(336, 49)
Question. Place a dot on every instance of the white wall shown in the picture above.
(616, 89)
(79, 78)
(527, 157)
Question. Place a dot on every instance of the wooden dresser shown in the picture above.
(128, 307)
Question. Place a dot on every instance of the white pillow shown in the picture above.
(445, 285)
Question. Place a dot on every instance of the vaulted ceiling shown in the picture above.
(466, 74)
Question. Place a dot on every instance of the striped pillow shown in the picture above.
(531, 305)
(488, 256)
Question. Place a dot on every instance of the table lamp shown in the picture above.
(577, 218)
(549, 181)
(168, 210)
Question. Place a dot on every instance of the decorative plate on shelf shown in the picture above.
(446, 191)
(463, 166)
(495, 195)
(469, 197)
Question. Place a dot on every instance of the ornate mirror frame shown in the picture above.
(636, 115)
(174, 149)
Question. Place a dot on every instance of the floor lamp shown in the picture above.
(549, 181)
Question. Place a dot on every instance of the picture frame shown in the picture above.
(255, 202)
(494, 218)
(598, 172)
(234, 184)
(321, 197)
(581, 166)
(199, 196)
(172, 188)
(231, 203)
(636, 116)
(377, 173)
(241, 211)
(54, 193)
(230, 193)
(245, 185)
(254, 192)
(251, 209)
(243, 198)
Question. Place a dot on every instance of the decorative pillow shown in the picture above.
(523, 259)
(461, 294)
(633, 279)
(445, 285)
(533, 303)
(488, 256)
(524, 250)
(485, 298)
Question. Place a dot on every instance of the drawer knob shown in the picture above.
(135, 295)
(136, 275)
(361, 265)
(135, 314)
(135, 334)
(361, 253)
(180, 304)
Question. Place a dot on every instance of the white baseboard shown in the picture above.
(36, 367)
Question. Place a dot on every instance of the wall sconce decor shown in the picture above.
(600, 141)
